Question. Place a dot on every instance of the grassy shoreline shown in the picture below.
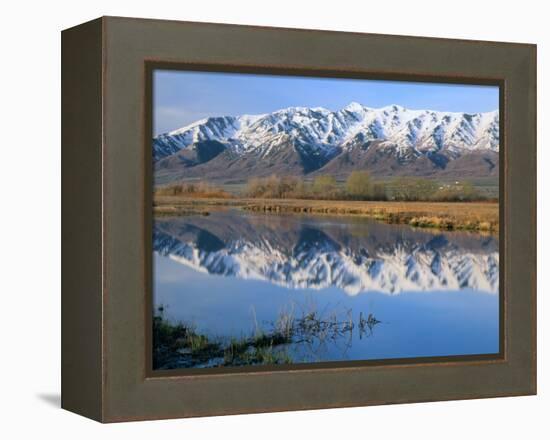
(180, 344)
(473, 216)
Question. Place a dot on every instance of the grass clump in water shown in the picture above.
(180, 345)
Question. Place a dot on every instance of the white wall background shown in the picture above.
(30, 220)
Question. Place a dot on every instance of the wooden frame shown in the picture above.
(106, 214)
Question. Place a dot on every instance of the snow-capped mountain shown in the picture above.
(307, 139)
(315, 255)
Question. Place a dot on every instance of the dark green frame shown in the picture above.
(106, 214)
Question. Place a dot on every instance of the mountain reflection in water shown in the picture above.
(354, 255)
(236, 289)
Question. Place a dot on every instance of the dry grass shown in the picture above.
(480, 216)
(199, 190)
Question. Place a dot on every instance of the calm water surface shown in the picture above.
(353, 289)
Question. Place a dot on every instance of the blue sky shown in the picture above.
(182, 97)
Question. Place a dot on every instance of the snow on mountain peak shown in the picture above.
(325, 131)
(394, 108)
(354, 107)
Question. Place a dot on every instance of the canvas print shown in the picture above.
(319, 220)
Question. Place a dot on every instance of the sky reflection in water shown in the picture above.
(434, 293)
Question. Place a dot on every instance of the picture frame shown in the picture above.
(107, 219)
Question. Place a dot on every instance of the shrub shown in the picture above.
(324, 186)
(378, 192)
(197, 190)
(414, 189)
(255, 187)
(359, 185)
(458, 192)
(274, 187)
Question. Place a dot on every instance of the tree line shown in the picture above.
(192, 190)
(360, 186)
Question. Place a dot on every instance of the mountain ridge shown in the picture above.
(302, 140)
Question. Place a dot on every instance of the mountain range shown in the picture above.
(298, 253)
(301, 141)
